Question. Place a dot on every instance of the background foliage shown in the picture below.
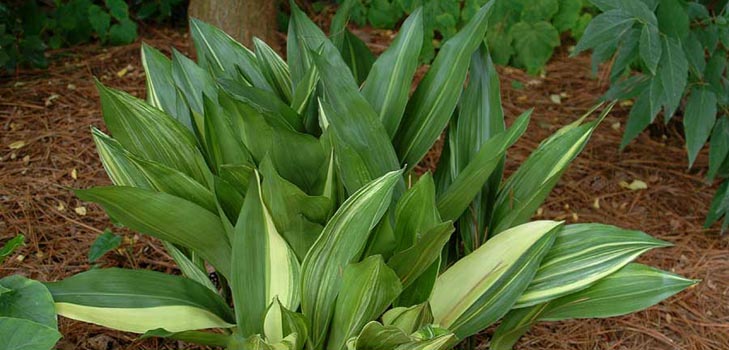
(28, 28)
(671, 56)
(521, 33)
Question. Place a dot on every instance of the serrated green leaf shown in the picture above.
(491, 278)
(118, 9)
(673, 18)
(368, 287)
(99, 21)
(339, 244)
(698, 120)
(673, 70)
(534, 44)
(435, 98)
(166, 217)
(124, 32)
(604, 28)
(650, 47)
(536, 11)
(139, 301)
(568, 15)
(718, 147)
(388, 85)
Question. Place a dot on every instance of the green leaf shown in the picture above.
(264, 102)
(435, 99)
(274, 69)
(719, 207)
(161, 91)
(139, 301)
(673, 70)
(644, 111)
(166, 217)
(605, 28)
(491, 278)
(718, 147)
(303, 37)
(340, 243)
(514, 325)
(151, 134)
(217, 52)
(627, 54)
(698, 120)
(415, 213)
(673, 18)
(357, 55)
(568, 15)
(264, 266)
(99, 20)
(189, 268)
(535, 11)
(633, 288)
(20, 334)
(124, 32)
(375, 336)
(409, 319)
(118, 9)
(581, 255)
(387, 86)
(530, 185)
(466, 186)
(27, 300)
(362, 147)
(194, 83)
(196, 337)
(695, 54)
(534, 44)
(10, 246)
(368, 288)
(410, 263)
(103, 244)
(650, 47)
(339, 22)
(281, 322)
(221, 142)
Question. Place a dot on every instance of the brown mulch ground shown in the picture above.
(51, 111)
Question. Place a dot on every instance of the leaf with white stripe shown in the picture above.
(264, 266)
(274, 69)
(491, 278)
(581, 255)
(435, 99)
(368, 287)
(139, 301)
(151, 134)
(340, 243)
(387, 86)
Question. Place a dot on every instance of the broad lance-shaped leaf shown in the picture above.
(368, 287)
(303, 37)
(195, 337)
(193, 83)
(361, 145)
(139, 300)
(491, 278)
(633, 288)
(264, 102)
(221, 140)
(376, 336)
(274, 69)
(581, 255)
(409, 319)
(151, 134)
(125, 169)
(410, 263)
(530, 185)
(673, 70)
(340, 243)
(217, 52)
(433, 102)
(281, 322)
(298, 216)
(698, 121)
(469, 182)
(480, 117)
(415, 213)
(387, 86)
(264, 266)
(166, 217)
(161, 91)
(358, 56)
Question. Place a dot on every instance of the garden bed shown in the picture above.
(46, 150)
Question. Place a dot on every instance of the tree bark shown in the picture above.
(241, 19)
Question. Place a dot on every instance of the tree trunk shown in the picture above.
(241, 19)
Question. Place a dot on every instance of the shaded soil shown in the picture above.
(51, 111)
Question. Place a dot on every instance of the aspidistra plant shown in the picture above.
(294, 183)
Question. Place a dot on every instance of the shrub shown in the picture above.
(297, 187)
(521, 33)
(677, 50)
(27, 29)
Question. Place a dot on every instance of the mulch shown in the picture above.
(48, 114)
